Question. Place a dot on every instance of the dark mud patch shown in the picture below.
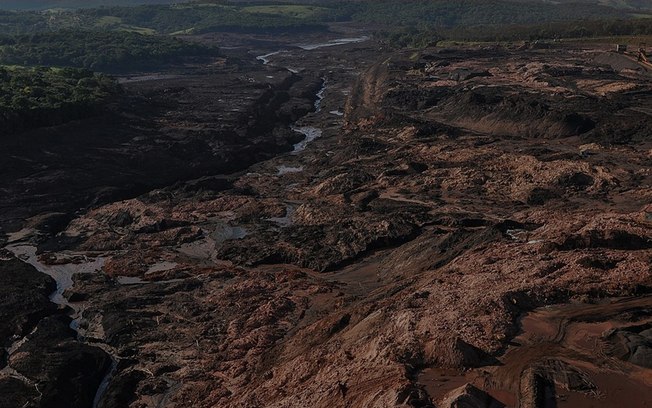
(572, 355)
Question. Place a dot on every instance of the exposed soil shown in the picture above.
(408, 256)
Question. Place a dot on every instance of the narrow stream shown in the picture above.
(63, 276)
(265, 58)
(63, 273)
(333, 43)
(311, 133)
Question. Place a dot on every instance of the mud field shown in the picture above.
(333, 224)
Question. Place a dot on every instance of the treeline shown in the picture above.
(200, 19)
(420, 37)
(467, 13)
(265, 17)
(558, 30)
(163, 19)
(46, 4)
(35, 97)
(106, 51)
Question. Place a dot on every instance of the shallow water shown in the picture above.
(310, 133)
(224, 232)
(265, 58)
(333, 43)
(161, 266)
(62, 274)
(286, 220)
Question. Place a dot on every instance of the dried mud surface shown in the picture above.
(472, 227)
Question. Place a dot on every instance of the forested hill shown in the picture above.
(35, 97)
(619, 4)
(106, 51)
(48, 4)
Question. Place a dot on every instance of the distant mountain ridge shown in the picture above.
(644, 5)
(47, 4)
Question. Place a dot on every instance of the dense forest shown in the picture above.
(467, 13)
(422, 36)
(267, 17)
(33, 97)
(47, 4)
(106, 51)
(554, 30)
(207, 18)
(176, 19)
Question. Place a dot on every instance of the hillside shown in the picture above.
(48, 4)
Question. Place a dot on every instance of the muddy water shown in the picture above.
(333, 43)
(283, 169)
(286, 220)
(62, 274)
(566, 356)
(310, 133)
(265, 58)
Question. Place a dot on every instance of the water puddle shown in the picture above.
(282, 170)
(225, 232)
(286, 220)
(136, 280)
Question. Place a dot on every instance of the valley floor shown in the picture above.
(468, 225)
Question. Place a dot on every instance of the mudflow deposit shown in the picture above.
(334, 224)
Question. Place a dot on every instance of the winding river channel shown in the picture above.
(63, 272)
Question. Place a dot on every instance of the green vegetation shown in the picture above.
(187, 18)
(557, 30)
(201, 18)
(291, 10)
(34, 97)
(49, 4)
(467, 13)
(268, 17)
(606, 30)
(107, 51)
